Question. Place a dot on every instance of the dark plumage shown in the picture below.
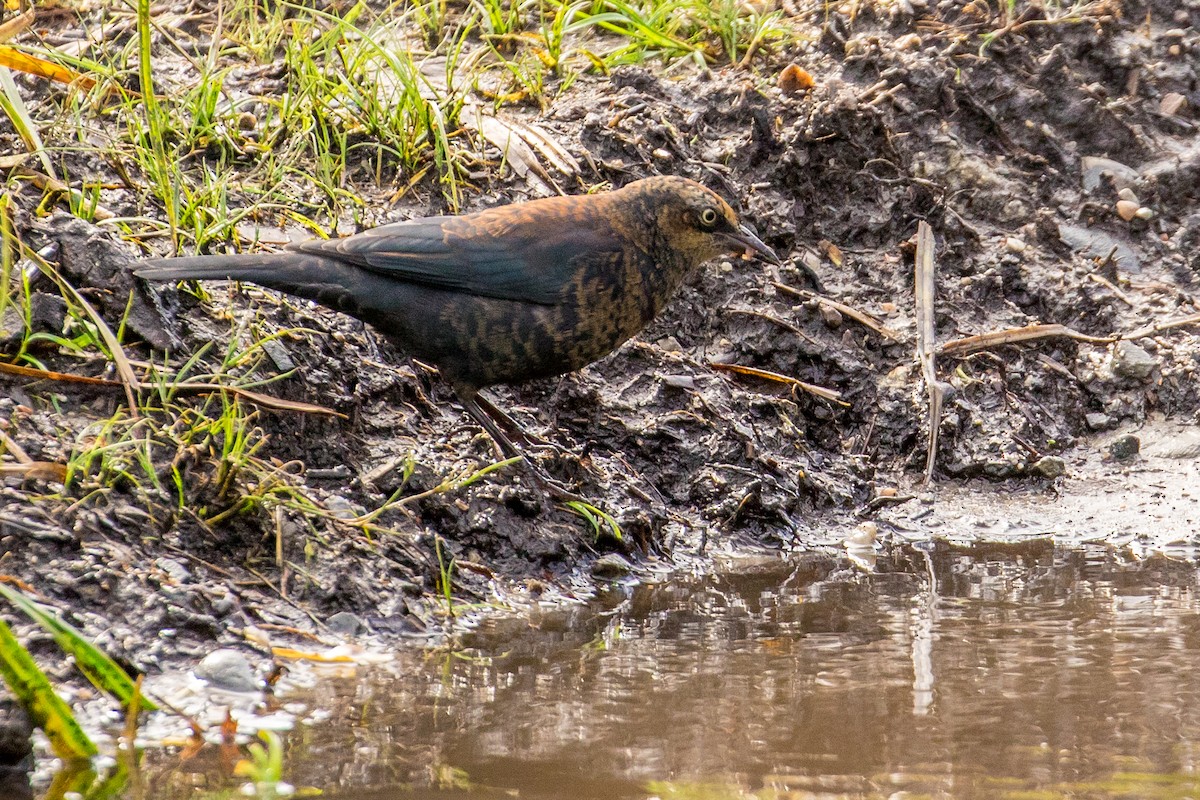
(508, 294)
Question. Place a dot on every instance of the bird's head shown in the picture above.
(696, 223)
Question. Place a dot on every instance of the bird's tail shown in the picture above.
(254, 267)
(328, 281)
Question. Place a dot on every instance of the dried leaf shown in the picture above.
(794, 80)
(21, 61)
(831, 251)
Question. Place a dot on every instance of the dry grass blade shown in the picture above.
(115, 351)
(50, 375)
(257, 398)
(40, 470)
(753, 372)
(16, 25)
(861, 317)
(518, 143)
(1029, 333)
(927, 337)
(1112, 287)
(1159, 327)
(14, 449)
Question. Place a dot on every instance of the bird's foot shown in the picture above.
(551, 487)
(506, 433)
(512, 428)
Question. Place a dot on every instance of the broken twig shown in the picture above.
(1159, 327)
(926, 338)
(861, 317)
(983, 341)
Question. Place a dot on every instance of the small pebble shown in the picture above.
(1015, 245)
(1131, 361)
(1144, 213)
(1124, 447)
(1172, 103)
(686, 382)
(831, 316)
(1127, 209)
(1050, 467)
(611, 565)
(228, 669)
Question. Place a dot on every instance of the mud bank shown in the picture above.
(1056, 160)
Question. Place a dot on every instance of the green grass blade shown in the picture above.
(102, 671)
(46, 709)
(14, 107)
(599, 519)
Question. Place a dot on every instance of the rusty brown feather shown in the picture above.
(509, 294)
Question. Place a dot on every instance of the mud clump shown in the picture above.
(1015, 141)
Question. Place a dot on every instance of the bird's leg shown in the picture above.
(471, 402)
(510, 425)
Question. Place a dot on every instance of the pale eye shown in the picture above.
(708, 217)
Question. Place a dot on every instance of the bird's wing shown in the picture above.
(485, 257)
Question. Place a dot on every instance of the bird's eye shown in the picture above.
(708, 217)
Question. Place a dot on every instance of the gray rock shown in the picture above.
(1050, 466)
(46, 315)
(1098, 244)
(611, 565)
(1098, 422)
(1131, 361)
(1125, 447)
(346, 624)
(228, 669)
(1185, 446)
(1094, 168)
(15, 730)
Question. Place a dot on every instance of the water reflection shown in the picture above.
(993, 671)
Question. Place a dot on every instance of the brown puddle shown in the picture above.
(1006, 671)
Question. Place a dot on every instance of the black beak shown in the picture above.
(746, 239)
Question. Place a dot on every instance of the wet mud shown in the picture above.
(1014, 146)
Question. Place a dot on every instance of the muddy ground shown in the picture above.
(1014, 141)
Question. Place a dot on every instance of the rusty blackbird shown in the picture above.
(508, 294)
